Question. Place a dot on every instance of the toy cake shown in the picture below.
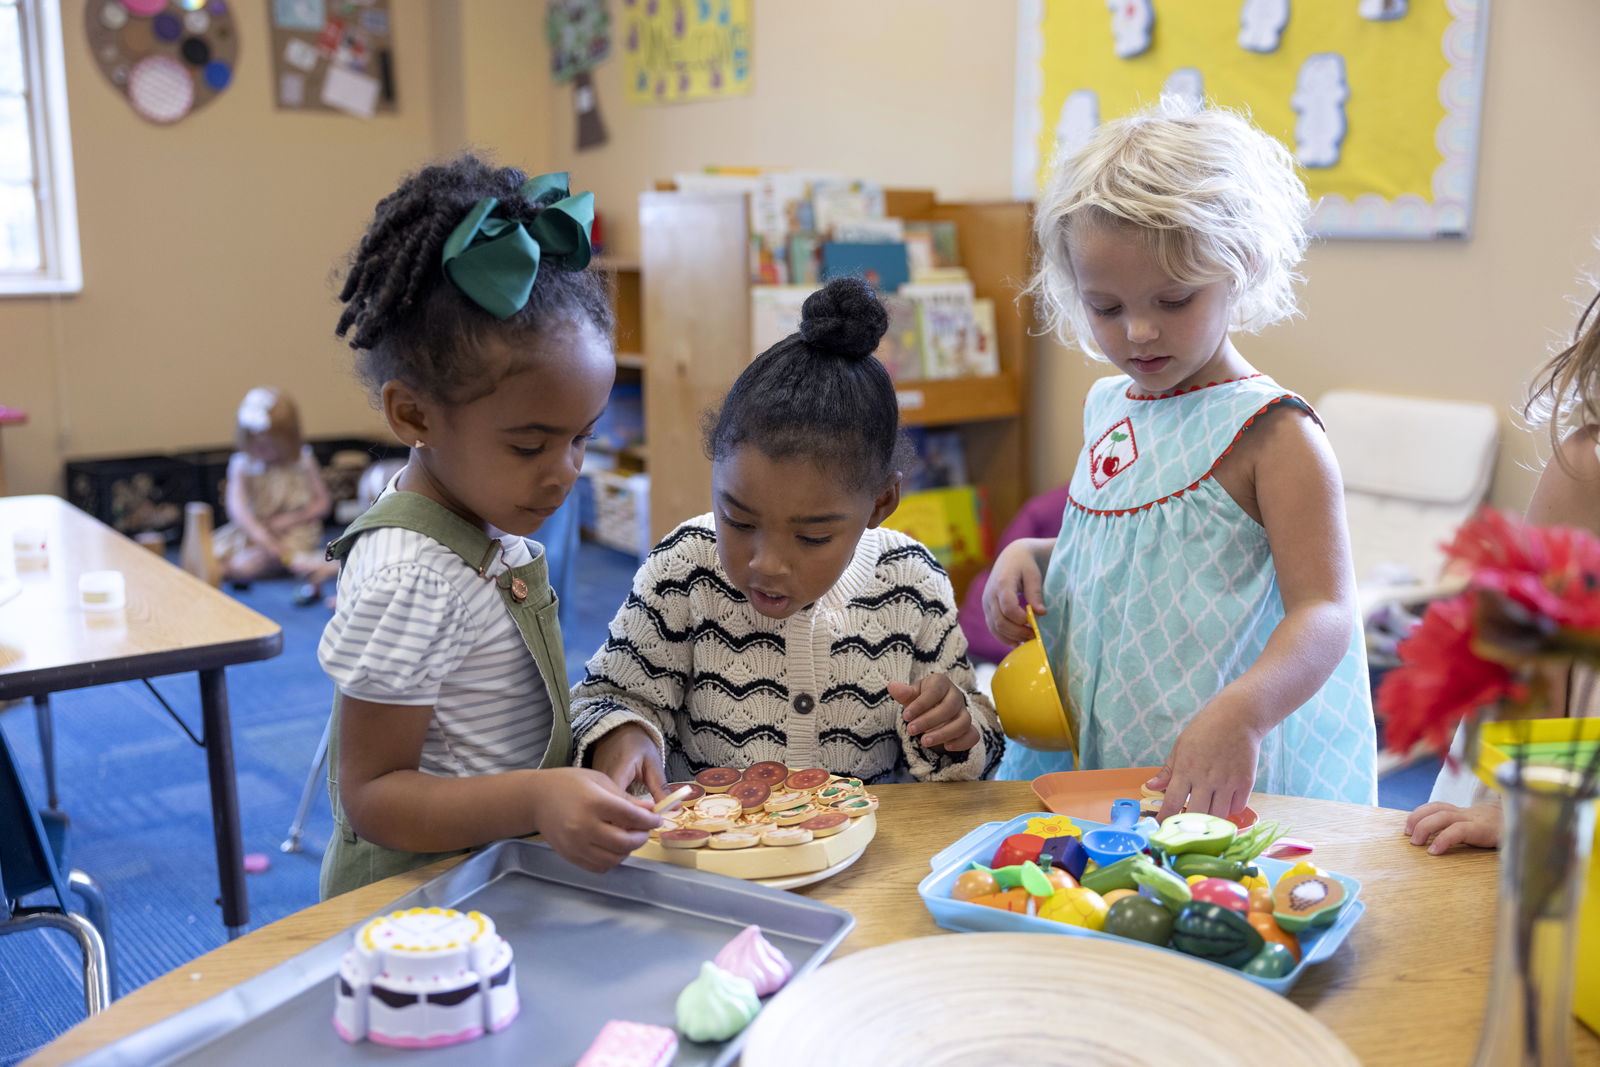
(424, 978)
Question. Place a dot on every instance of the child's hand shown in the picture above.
(588, 819)
(1015, 574)
(1212, 766)
(278, 524)
(936, 713)
(628, 754)
(1449, 825)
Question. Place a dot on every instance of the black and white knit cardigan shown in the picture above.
(718, 684)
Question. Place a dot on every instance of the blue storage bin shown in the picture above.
(1316, 943)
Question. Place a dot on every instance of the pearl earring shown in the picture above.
(418, 444)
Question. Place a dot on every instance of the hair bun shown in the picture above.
(844, 318)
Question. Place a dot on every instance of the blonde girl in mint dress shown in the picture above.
(1199, 603)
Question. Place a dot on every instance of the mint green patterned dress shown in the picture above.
(1161, 591)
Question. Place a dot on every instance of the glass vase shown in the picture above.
(1544, 853)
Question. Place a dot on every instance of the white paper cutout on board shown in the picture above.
(292, 89)
(300, 54)
(1261, 24)
(1131, 23)
(349, 91)
(1385, 10)
(1080, 114)
(1319, 95)
(1186, 83)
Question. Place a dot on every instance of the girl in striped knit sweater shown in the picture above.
(788, 625)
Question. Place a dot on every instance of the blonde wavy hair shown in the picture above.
(1207, 192)
(1565, 394)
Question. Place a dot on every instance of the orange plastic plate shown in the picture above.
(1088, 794)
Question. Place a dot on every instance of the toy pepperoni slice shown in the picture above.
(684, 838)
(768, 772)
(750, 794)
(802, 781)
(794, 816)
(696, 791)
(827, 824)
(717, 779)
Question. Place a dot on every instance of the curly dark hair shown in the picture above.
(819, 394)
(405, 319)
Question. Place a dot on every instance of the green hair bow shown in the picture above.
(494, 260)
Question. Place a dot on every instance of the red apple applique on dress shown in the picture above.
(1114, 453)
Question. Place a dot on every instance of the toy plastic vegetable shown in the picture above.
(1273, 961)
(1207, 866)
(1168, 887)
(1271, 932)
(1215, 933)
(1139, 919)
(1076, 907)
(1254, 841)
(978, 882)
(1191, 831)
(1117, 876)
(1017, 849)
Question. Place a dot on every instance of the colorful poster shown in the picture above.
(679, 51)
(333, 56)
(1379, 101)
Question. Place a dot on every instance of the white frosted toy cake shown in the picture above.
(425, 977)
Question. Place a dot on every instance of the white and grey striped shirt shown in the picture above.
(416, 626)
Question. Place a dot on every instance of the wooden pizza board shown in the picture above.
(767, 861)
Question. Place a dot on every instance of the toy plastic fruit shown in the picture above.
(1254, 879)
(1230, 895)
(1271, 932)
(1016, 849)
(1139, 919)
(1076, 907)
(1273, 961)
(1261, 899)
(1060, 879)
(1114, 895)
(1213, 932)
(974, 883)
(1192, 831)
(1303, 900)
(1169, 888)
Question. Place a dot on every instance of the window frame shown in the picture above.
(44, 68)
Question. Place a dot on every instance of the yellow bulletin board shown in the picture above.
(1379, 99)
(680, 51)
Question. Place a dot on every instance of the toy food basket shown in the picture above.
(1317, 943)
(1552, 739)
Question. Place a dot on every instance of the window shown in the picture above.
(38, 210)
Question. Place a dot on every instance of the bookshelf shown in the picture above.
(694, 249)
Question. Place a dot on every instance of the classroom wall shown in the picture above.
(208, 245)
(919, 93)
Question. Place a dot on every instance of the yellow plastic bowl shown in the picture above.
(1027, 700)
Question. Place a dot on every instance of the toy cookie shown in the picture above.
(768, 773)
(717, 779)
(624, 1044)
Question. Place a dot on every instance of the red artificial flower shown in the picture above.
(1440, 679)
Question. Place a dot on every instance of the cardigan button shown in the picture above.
(804, 703)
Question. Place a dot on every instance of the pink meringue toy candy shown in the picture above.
(752, 956)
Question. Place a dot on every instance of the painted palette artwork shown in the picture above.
(168, 57)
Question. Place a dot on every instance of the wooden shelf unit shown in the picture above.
(696, 316)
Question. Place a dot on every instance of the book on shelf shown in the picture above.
(870, 231)
(882, 266)
(944, 318)
(900, 351)
(951, 522)
(983, 351)
(805, 258)
(941, 459)
(774, 314)
(939, 275)
(932, 244)
(836, 200)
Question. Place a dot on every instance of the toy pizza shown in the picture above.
(767, 821)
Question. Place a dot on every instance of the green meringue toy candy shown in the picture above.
(716, 1005)
(1191, 831)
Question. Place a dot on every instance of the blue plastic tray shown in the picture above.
(1316, 943)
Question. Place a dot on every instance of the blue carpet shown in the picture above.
(135, 788)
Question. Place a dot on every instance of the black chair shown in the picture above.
(33, 860)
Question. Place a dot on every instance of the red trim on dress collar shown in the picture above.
(1190, 389)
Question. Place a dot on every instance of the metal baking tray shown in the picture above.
(589, 947)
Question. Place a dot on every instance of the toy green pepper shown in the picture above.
(1193, 832)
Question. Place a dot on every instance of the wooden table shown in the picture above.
(174, 623)
(1402, 989)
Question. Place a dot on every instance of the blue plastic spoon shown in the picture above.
(1108, 844)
